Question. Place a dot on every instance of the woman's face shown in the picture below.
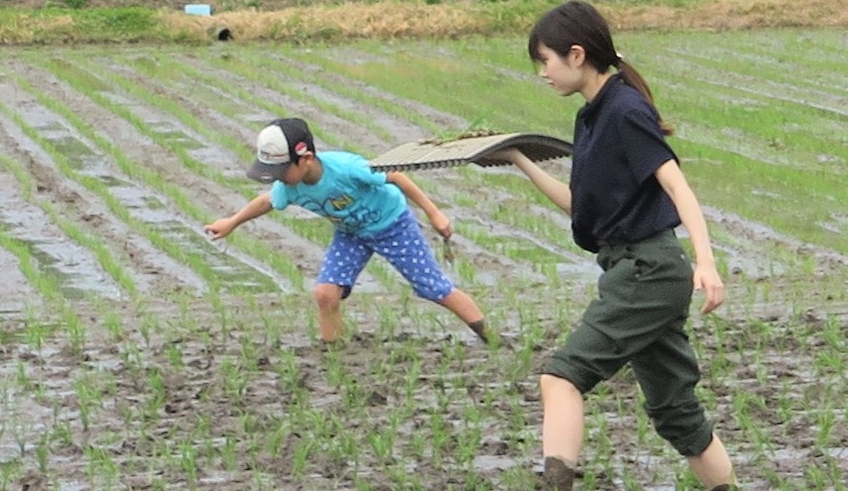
(562, 73)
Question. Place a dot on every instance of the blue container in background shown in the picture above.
(198, 9)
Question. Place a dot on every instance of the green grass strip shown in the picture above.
(98, 187)
(151, 178)
(104, 255)
(48, 287)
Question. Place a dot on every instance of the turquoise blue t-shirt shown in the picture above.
(357, 200)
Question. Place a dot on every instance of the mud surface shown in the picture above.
(136, 354)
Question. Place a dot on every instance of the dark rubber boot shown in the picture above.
(479, 329)
(558, 475)
(726, 487)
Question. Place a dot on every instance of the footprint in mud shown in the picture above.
(33, 481)
(378, 398)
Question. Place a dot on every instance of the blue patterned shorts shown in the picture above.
(402, 244)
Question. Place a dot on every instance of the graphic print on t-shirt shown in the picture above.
(342, 214)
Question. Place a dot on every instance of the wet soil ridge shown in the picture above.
(145, 212)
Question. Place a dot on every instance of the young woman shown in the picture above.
(625, 197)
(369, 211)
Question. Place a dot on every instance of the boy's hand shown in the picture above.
(220, 228)
(441, 223)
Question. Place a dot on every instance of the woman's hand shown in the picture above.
(706, 278)
(511, 155)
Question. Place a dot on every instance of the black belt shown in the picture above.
(621, 242)
(608, 243)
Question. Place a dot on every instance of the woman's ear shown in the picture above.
(578, 53)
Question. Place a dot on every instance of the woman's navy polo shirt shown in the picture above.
(618, 145)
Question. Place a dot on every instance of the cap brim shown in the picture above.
(267, 173)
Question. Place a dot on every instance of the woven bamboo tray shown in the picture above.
(435, 155)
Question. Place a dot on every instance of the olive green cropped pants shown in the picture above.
(639, 317)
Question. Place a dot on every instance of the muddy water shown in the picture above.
(68, 264)
(188, 385)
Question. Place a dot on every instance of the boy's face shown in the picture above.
(288, 173)
(295, 172)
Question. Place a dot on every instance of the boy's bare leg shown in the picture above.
(713, 466)
(464, 307)
(562, 431)
(328, 297)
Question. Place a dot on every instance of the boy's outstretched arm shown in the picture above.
(439, 220)
(222, 227)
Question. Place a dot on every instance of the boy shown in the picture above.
(370, 214)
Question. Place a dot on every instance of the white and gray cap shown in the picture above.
(279, 145)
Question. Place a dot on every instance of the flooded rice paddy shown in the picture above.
(137, 354)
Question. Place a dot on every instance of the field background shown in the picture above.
(136, 354)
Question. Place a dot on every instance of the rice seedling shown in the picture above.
(188, 463)
(102, 470)
(302, 450)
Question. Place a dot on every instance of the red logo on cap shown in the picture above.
(300, 148)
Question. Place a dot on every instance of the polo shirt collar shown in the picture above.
(592, 107)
